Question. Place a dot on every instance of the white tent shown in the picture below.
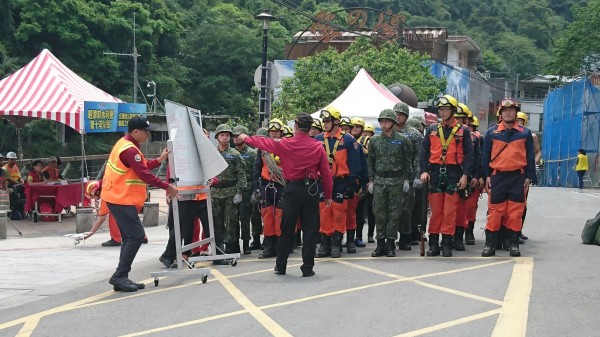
(366, 98)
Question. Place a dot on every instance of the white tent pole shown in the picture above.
(82, 167)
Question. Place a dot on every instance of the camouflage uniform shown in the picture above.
(389, 165)
(232, 181)
(249, 211)
(415, 216)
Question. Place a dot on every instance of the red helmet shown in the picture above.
(93, 188)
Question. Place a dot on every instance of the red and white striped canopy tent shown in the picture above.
(45, 88)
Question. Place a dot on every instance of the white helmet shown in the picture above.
(11, 155)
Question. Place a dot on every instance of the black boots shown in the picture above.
(255, 243)
(390, 248)
(490, 243)
(336, 244)
(270, 247)
(380, 250)
(469, 236)
(325, 247)
(514, 244)
(350, 244)
(458, 238)
(404, 242)
(434, 245)
(220, 249)
(246, 247)
(447, 245)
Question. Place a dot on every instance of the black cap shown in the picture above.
(304, 121)
(139, 122)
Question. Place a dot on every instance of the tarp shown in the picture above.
(45, 88)
(366, 98)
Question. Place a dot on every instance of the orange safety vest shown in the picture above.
(264, 172)
(454, 152)
(13, 173)
(199, 196)
(52, 172)
(121, 185)
(338, 155)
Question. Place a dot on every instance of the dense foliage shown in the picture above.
(204, 52)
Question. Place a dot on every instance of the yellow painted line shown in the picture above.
(188, 323)
(513, 314)
(428, 285)
(28, 327)
(266, 321)
(450, 324)
(418, 258)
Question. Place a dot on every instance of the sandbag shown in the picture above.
(590, 230)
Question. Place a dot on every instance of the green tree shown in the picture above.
(319, 79)
(578, 49)
(520, 54)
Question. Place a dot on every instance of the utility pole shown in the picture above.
(135, 56)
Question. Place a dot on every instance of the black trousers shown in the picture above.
(299, 203)
(360, 217)
(189, 210)
(132, 234)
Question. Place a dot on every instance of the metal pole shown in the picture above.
(82, 167)
(135, 56)
(154, 99)
(263, 78)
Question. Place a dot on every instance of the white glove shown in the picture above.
(406, 186)
(370, 187)
(253, 199)
(417, 183)
(237, 199)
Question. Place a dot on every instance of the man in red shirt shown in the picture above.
(303, 161)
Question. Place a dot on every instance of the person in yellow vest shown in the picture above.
(124, 191)
(13, 181)
(51, 171)
(581, 167)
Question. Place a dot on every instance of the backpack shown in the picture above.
(590, 231)
(16, 215)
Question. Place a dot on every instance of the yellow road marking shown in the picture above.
(266, 321)
(449, 324)
(28, 327)
(513, 314)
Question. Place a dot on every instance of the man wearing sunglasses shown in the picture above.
(446, 161)
(509, 168)
(412, 178)
(303, 160)
(344, 162)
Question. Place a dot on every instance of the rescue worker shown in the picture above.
(247, 210)
(358, 126)
(346, 124)
(227, 193)
(463, 115)
(418, 190)
(509, 169)
(14, 181)
(415, 139)
(446, 161)
(472, 201)
(523, 120)
(344, 162)
(256, 199)
(268, 180)
(303, 161)
(316, 128)
(124, 192)
(287, 131)
(389, 168)
(368, 132)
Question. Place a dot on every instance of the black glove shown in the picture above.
(350, 190)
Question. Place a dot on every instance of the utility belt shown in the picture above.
(519, 171)
(225, 184)
(339, 180)
(435, 168)
(389, 174)
(305, 181)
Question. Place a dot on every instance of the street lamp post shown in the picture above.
(266, 18)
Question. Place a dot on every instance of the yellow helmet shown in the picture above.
(358, 121)
(345, 121)
(460, 111)
(507, 103)
(92, 188)
(447, 100)
(317, 123)
(466, 110)
(369, 127)
(331, 112)
(523, 116)
(276, 124)
(475, 122)
(287, 131)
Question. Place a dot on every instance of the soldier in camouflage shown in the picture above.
(416, 216)
(390, 166)
(415, 138)
(227, 193)
(248, 210)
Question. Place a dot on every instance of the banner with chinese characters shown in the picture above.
(109, 117)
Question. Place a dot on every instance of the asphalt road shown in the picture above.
(550, 291)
